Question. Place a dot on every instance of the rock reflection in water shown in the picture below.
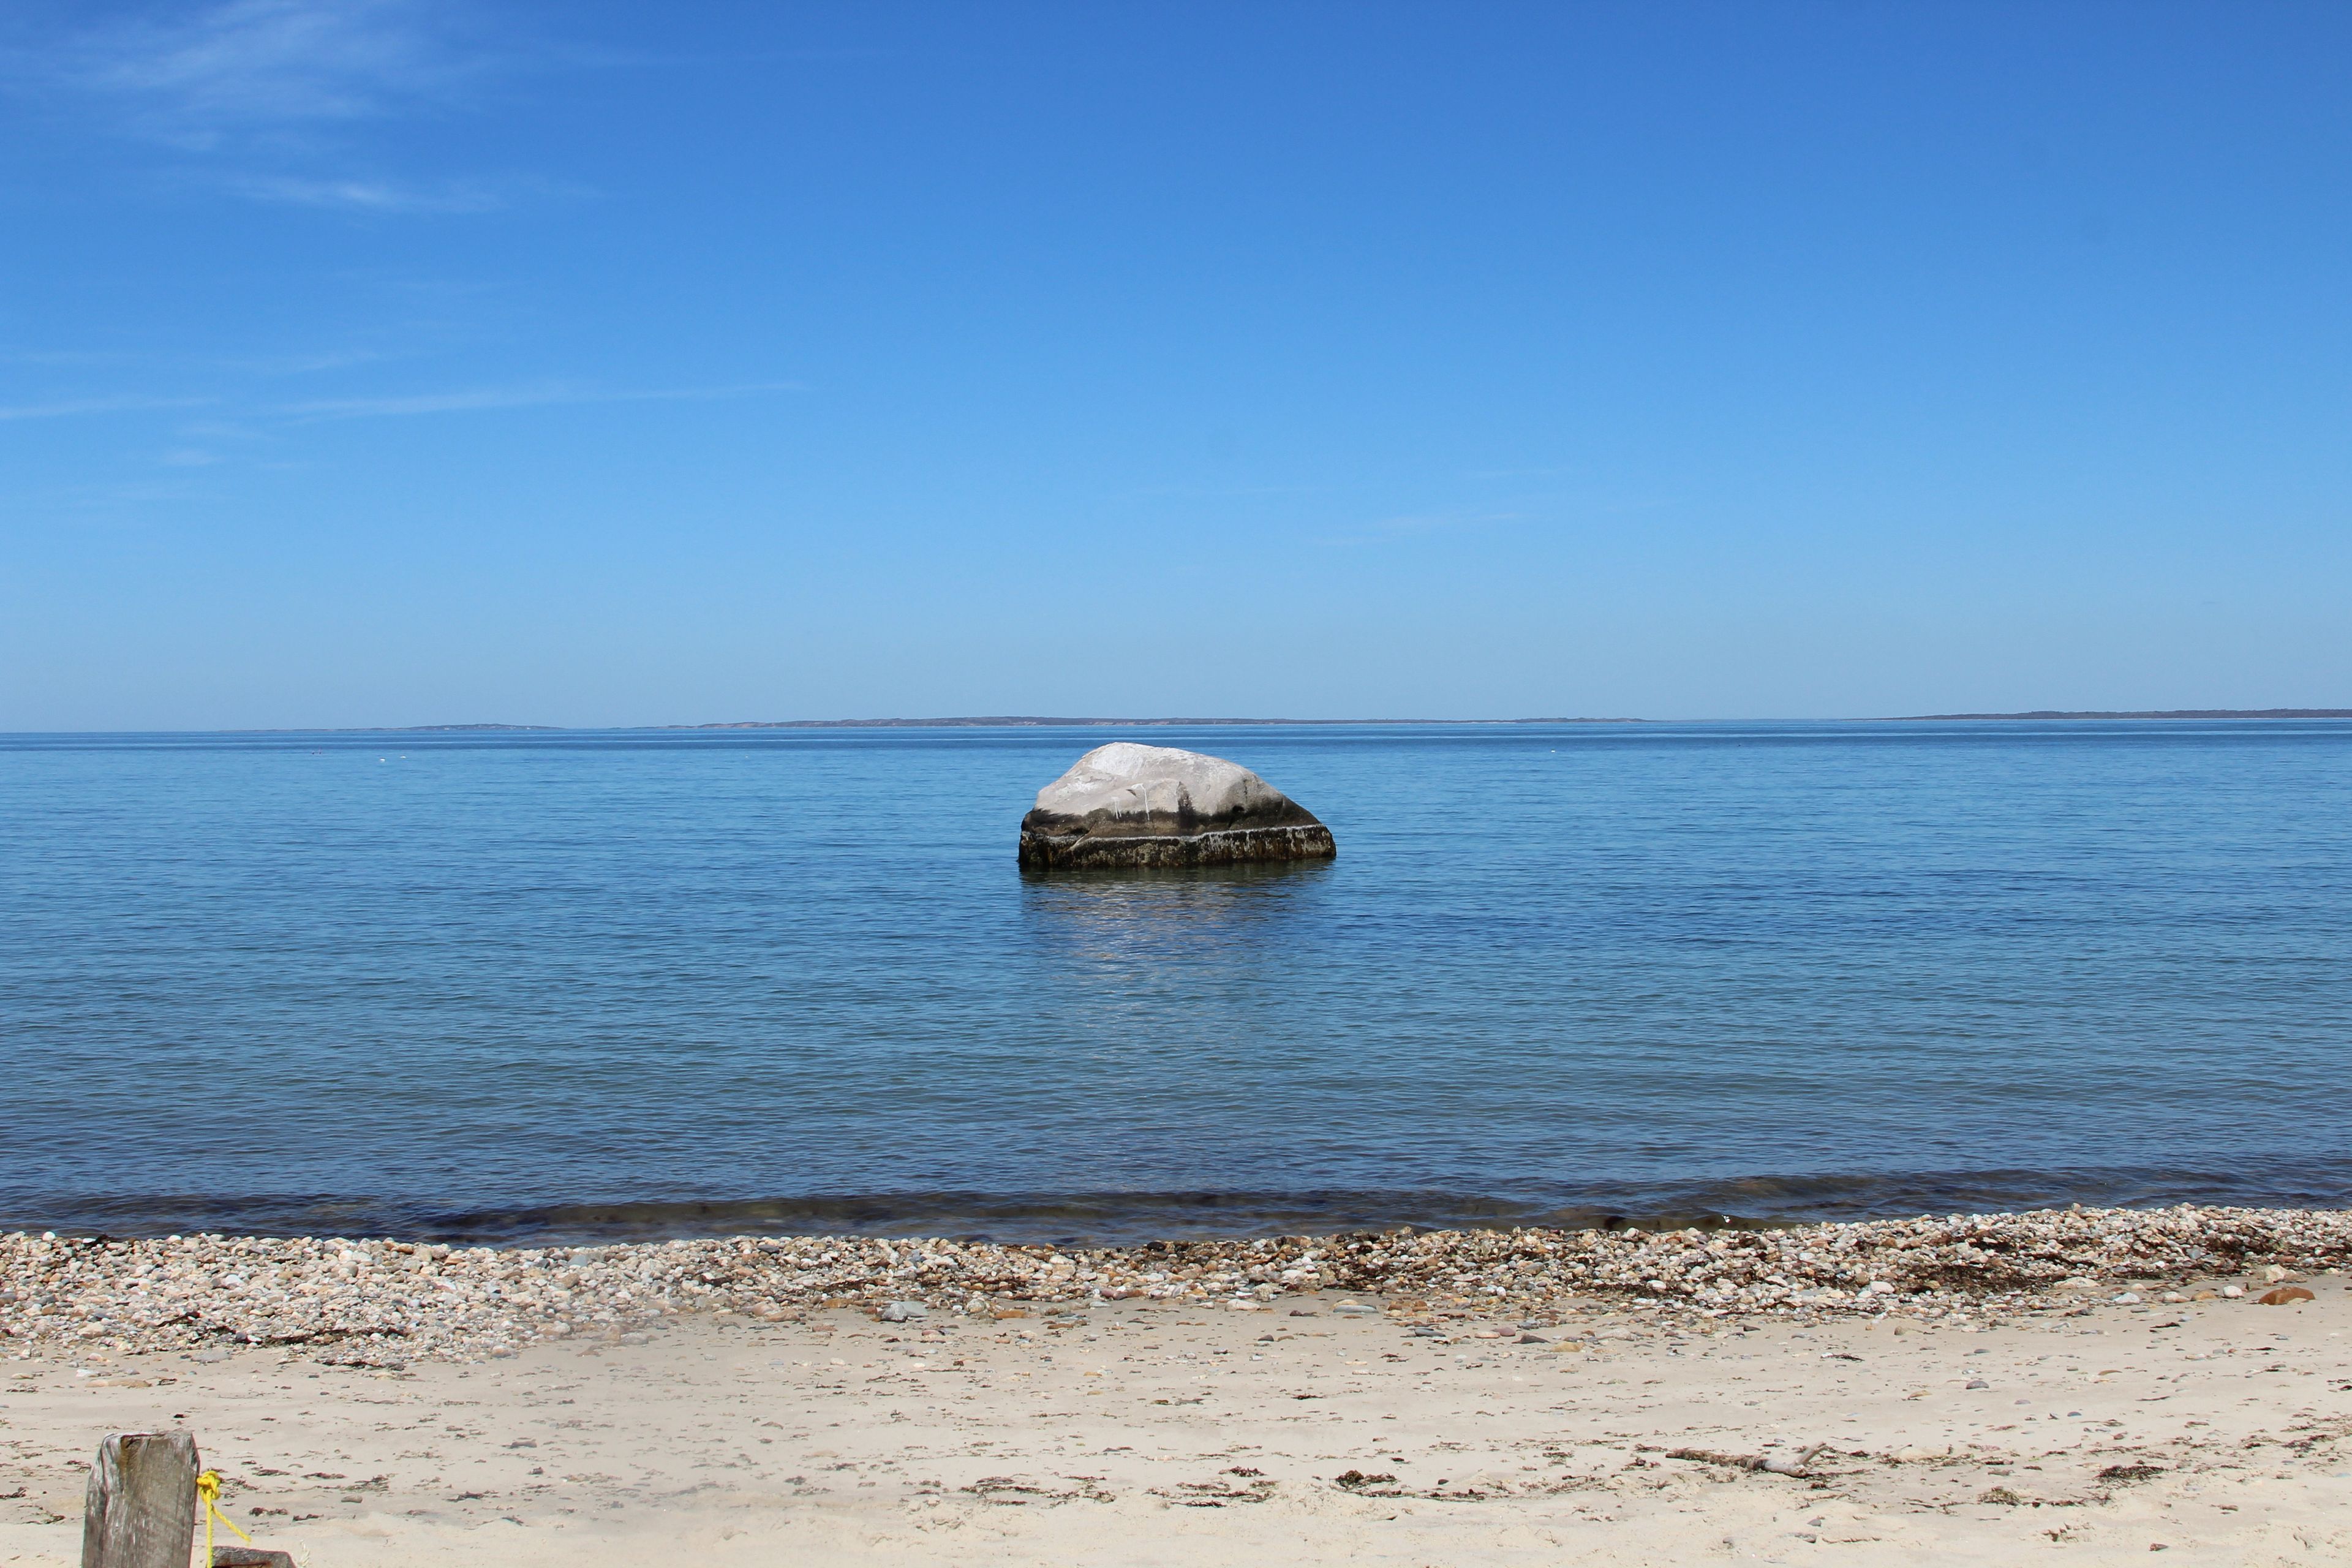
(1118, 913)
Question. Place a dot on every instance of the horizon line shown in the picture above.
(1041, 722)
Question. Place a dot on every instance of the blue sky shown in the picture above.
(410, 362)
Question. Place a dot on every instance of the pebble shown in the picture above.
(378, 1302)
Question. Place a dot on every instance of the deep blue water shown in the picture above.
(644, 983)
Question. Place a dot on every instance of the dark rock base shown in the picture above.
(1082, 851)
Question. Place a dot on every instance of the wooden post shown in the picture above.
(141, 1511)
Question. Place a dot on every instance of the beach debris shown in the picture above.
(2283, 1295)
(2130, 1472)
(904, 1313)
(1130, 805)
(386, 1304)
(1777, 1463)
(140, 1509)
(251, 1557)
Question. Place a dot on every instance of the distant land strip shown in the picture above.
(998, 722)
(1017, 722)
(2149, 713)
(1011, 721)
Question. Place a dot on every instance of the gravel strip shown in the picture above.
(378, 1302)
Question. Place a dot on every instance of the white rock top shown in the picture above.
(1127, 780)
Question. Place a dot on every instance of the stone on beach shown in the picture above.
(1131, 805)
(376, 1302)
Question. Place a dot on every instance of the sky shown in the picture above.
(415, 362)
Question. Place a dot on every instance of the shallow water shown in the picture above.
(565, 983)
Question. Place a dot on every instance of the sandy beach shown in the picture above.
(1318, 1426)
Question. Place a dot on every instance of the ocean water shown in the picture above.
(568, 984)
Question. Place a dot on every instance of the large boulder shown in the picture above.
(1125, 804)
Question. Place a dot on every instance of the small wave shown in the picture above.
(1127, 1218)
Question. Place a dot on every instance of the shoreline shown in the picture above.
(1110, 1219)
(2073, 1386)
(379, 1302)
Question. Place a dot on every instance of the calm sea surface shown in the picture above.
(631, 983)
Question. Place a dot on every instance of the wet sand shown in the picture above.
(1156, 1432)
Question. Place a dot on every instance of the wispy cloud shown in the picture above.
(1539, 473)
(268, 364)
(480, 399)
(71, 407)
(197, 77)
(308, 363)
(359, 196)
(267, 98)
(468, 400)
(1389, 530)
(65, 357)
(1222, 493)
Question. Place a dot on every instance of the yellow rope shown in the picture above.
(208, 1491)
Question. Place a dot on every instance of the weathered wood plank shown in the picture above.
(142, 1508)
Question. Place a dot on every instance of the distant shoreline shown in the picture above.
(1008, 721)
(2144, 713)
(1018, 722)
